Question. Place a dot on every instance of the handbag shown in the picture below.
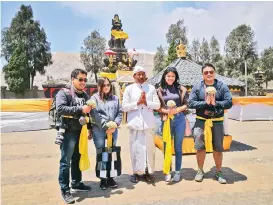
(108, 160)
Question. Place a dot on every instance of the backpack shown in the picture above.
(54, 119)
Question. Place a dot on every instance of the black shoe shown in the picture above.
(67, 197)
(111, 182)
(80, 188)
(103, 184)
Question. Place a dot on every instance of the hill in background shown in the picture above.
(64, 63)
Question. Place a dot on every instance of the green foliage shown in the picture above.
(177, 32)
(204, 52)
(215, 55)
(16, 75)
(159, 59)
(171, 54)
(250, 81)
(92, 52)
(27, 32)
(266, 64)
(240, 47)
(194, 52)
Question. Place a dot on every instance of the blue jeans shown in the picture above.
(178, 126)
(70, 154)
(99, 137)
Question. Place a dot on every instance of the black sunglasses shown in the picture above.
(82, 79)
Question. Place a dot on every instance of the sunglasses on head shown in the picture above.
(82, 79)
(208, 72)
(106, 85)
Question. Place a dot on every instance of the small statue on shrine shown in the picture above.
(111, 61)
(124, 60)
(181, 50)
(116, 23)
(121, 60)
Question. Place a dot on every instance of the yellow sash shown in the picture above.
(208, 132)
(167, 139)
(109, 140)
(83, 148)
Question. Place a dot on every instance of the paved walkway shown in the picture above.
(30, 172)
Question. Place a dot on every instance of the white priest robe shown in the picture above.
(141, 124)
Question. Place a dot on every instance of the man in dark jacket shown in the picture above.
(209, 110)
(71, 105)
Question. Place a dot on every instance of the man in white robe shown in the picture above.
(139, 101)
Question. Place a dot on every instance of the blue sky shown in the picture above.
(68, 23)
(64, 27)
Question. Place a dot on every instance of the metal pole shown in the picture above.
(245, 79)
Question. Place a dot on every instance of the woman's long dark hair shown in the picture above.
(163, 82)
(102, 95)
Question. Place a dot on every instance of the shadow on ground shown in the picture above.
(230, 175)
(122, 181)
(238, 146)
(188, 174)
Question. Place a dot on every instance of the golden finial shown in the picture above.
(181, 50)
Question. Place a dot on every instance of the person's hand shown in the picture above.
(171, 111)
(208, 100)
(212, 101)
(142, 99)
(90, 136)
(86, 109)
(110, 131)
(175, 111)
(165, 111)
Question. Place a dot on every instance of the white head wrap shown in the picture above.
(138, 69)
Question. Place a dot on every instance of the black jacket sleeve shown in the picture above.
(63, 105)
(194, 101)
(226, 103)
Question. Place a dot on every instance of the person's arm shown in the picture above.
(194, 101)
(155, 103)
(161, 109)
(185, 97)
(227, 102)
(98, 119)
(118, 118)
(180, 109)
(62, 106)
(127, 105)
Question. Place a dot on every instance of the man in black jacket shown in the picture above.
(209, 107)
(71, 105)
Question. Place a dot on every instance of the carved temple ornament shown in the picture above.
(181, 50)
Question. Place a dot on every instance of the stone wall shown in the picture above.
(34, 93)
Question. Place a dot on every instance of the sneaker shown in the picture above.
(111, 182)
(103, 184)
(67, 197)
(219, 177)
(199, 176)
(81, 187)
(168, 177)
(176, 177)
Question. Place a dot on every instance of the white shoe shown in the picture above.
(176, 177)
(168, 177)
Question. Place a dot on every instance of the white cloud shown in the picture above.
(148, 22)
(3, 62)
